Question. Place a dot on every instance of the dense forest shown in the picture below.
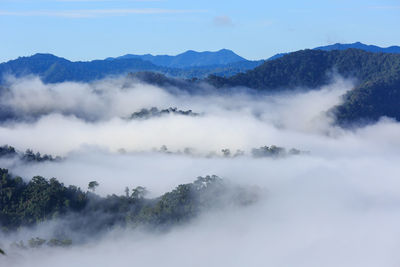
(39, 200)
(370, 100)
(377, 76)
(314, 68)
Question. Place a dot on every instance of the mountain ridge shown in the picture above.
(375, 95)
(52, 69)
(357, 45)
(189, 58)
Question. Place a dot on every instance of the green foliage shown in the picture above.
(313, 68)
(59, 243)
(92, 185)
(39, 200)
(274, 152)
(265, 151)
(187, 200)
(36, 242)
(28, 156)
(7, 151)
(139, 192)
(155, 112)
(370, 101)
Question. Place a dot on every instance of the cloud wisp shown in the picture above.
(93, 13)
(223, 21)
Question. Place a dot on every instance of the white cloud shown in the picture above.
(239, 121)
(90, 13)
(337, 206)
(223, 21)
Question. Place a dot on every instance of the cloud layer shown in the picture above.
(67, 116)
(336, 206)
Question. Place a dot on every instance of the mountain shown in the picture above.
(313, 68)
(361, 46)
(370, 101)
(55, 69)
(357, 45)
(276, 56)
(376, 94)
(159, 79)
(218, 70)
(192, 64)
(189, 59)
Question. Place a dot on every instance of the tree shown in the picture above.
(36, 242)
(92, 185)
(139, 192)
(127, 192)
(226, 152)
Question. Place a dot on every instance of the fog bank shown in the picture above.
(337, 205)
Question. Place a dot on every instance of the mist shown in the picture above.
(336, 205)
(96, 115)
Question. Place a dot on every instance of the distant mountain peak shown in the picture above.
(189, 51)
(357, 45)
(46, 56)
(220, 52)
(189, 58)
(362, 46)
(43, 54)
(224, 49)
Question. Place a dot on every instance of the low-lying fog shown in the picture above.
(337, 205)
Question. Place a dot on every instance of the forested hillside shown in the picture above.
(376, 94)
(39, 200)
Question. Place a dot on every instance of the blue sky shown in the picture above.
(255, 29)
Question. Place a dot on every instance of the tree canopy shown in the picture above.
(39, 200)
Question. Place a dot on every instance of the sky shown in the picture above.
(254, 29)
